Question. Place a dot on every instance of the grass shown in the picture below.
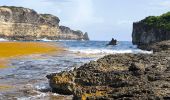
(14, 49)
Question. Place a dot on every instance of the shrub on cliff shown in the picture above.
(161, 22)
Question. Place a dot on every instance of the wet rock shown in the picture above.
(65, 84)
(134, 67)
(157, 47)
(119, 76)
(112, 42)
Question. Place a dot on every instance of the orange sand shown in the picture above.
(14, 49)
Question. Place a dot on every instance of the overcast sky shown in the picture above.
(102, 19)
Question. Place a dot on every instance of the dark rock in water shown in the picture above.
(86, 36)
(112, 42)
(119, 76)
(151, 30)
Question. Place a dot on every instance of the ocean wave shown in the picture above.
(2, 39)
(48, 40)
(46, 96)
(45, 40)
(108, 51)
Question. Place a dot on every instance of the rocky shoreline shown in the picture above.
(123, 76)
(119, 76)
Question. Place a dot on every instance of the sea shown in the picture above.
(26, 78)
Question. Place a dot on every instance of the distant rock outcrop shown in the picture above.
(152, 29)
(79, 35)
(18, 23)
(112, 42)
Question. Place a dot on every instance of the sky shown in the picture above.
(102, 19)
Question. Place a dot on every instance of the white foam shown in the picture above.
(36, 97)
(42, 96)
(45, 40)
(2, 39)
(48, 40)
(42, 86)
(69, 40)
(108, 51)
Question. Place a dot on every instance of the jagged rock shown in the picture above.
(18, 23)
(112, 42)
(86, 36)
(119, 76)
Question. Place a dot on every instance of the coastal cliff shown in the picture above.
(151, 29)
(18, 23)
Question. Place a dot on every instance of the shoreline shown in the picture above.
(118, 76)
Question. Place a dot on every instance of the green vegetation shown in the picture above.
(161, 22)
(12, 7)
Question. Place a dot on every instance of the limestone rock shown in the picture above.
(151, 30)
(18, 23)
(86, 36)
(77, 34)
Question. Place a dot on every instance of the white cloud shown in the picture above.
(81, 14)
(84, 12)
(159, 4)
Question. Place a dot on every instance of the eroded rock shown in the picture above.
(18, 23)
(119, 76)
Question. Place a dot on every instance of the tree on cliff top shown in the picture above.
(161, 22)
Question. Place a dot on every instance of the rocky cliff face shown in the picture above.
(69, 33)
(152, 29)
(17, 23)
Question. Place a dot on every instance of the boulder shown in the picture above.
(112, 42)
